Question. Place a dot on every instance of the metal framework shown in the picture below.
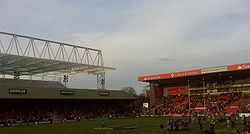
(24, 55)
(101, 80)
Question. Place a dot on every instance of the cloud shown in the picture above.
(140, 37)
(163, 60)
(242, 17)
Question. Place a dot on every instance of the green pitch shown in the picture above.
(137, 125)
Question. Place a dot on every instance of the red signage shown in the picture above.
(238, 67)
(176, 90)
(154, 77)
(186, 73)
(170, 75)
(195, 72)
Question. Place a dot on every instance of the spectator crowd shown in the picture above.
(20, 112)
(225, 103)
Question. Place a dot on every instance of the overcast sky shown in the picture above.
(139, 37)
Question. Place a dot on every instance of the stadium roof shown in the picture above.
(9, 64)
(237, 69)
(23, 55)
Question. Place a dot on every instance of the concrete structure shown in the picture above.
(212, 80)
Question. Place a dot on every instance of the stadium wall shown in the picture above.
(56, 93)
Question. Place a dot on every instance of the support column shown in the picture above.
(30, 78)
(101, 81)
(152, 94)
(65, 79)
(16, 75)
(189, 99)
(204, 94)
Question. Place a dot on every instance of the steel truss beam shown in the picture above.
(25, 55)
(47, 49)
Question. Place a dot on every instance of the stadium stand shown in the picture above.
(26, 102)
(225, 103)
(212, 91)
(35, 101)
(25, 112)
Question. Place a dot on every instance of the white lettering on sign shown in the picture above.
(243, 67)
(180, 74)
(152, 78)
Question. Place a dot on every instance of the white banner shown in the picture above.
(246, 114)
(145, 105)
(214, 70)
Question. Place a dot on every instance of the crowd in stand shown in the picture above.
(24, 113)
(225, 103)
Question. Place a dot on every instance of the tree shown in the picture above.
(140, 100)
(129, 90)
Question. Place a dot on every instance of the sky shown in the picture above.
(138, 37)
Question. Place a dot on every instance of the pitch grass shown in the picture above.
(146, 126)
